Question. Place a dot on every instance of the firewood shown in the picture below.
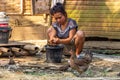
(6, 54)
(24, 52)
(4, 49)
(30, 47)
(15, 49)
(19, 51)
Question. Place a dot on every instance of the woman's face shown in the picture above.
(60, 18)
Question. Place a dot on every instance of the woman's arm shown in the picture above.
(67, 40)
(52, 35)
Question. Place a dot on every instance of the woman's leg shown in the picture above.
(79, 42)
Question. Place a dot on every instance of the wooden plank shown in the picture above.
(95, 25)
(100, 28)
(41, 6)
(87, 7)
(15, 44)
(90, 11)
(103, 33)
(106, 36)
(89, 2)
(104, 45)
(106, 20)
(98, 24)
(93, 0)
(97, 15)
(9, 6)
(21, 32)
(114, 37)
(99, 35)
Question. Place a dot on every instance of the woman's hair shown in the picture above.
(58, 8)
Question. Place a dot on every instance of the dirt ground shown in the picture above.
(103, 67)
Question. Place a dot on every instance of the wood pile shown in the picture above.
(19, 50)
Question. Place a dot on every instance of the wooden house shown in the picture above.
(97, 18)
(26, 18)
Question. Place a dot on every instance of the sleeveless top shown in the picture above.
(64, 34)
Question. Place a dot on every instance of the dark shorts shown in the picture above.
(68, 47)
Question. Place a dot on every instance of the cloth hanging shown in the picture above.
(53, 2)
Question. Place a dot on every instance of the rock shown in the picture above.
(109, 69)
(1, 74)
(28, 71)
(118, 74)
(64, 67)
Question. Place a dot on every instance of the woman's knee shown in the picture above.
(80, 34)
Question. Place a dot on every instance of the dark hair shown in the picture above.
(58, 8)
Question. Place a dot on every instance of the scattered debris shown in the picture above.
(18, 50)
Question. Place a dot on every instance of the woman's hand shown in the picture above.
(56, 40)
(50, 41)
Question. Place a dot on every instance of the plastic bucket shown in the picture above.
(3, 24)
(5, 34)
(54, 53)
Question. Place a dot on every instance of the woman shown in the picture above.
(64, 30)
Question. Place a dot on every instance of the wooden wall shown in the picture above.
(25, 25)
(10, 6)
(97, 18)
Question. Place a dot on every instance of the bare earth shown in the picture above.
(103, 67)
